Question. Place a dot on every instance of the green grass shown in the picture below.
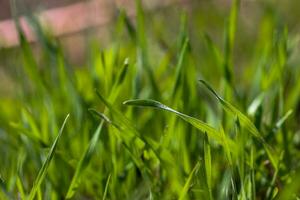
(189, 108)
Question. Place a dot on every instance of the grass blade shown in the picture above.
(281, 121)
(131, 136)
(245, 121)
(106, 187)
(202, 126)
(43, 170)
(229, 41)
(208, 170)
(84, 161)
(187, 184)
(179, 65)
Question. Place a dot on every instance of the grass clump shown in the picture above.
(233, 135)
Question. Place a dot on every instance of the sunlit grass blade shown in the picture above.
(202, 126)
(281, 121)
(188, 182)
(84, 161)
(42, 173)
(255, 104)
(245, 121)
(106, 187)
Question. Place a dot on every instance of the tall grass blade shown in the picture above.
(44, 169)
(84, 161)
(208, 169)
(229, 41)
(202, 126)
(106, 187)
(179, 65)
(245, 121)
(188, 182)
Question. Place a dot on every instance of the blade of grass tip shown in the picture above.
(180, 64)
(84, 161)
(255, 104)
(120, 79)
(234, 111)
(202, 126)
(214, 50)
(130, 28)
(106, 187)
(44, 169)
(281, 121)
(187, 184)
(207, 161)
(128, 128)
(245, 121)
(99, 114)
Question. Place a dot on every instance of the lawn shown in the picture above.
(180, 103)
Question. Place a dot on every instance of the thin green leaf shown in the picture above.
(44, 169)
(179, 65)
(255, 104)
(245, 121)
(281, 121)
(208, 169)
(132, 136)
(202, 126)
(84, 161)
(106, 187)
(188, 182)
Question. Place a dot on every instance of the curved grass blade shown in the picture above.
(43, 170)
(202, 126)
(187, 184)
(245, 121)
(234, 111)
(84, 161)
(131, 136)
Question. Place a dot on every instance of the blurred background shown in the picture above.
(77, 22)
